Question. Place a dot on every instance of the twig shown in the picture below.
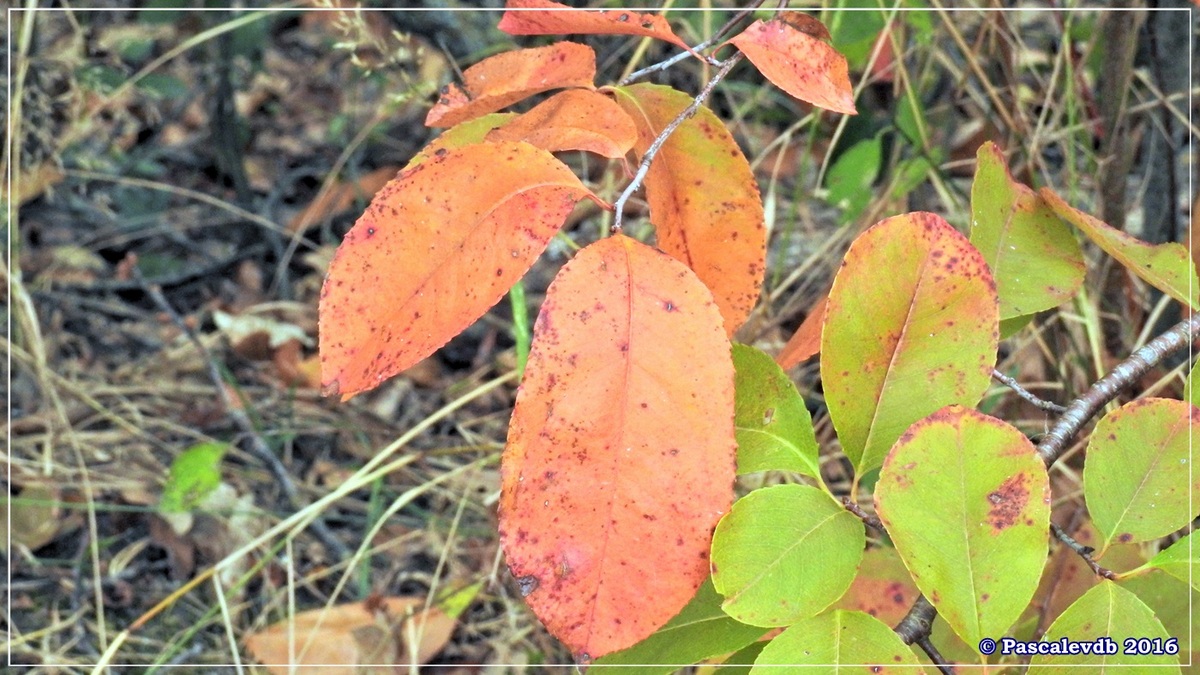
(870, 519)
(652, 151)
(918, 623)
(1084, 552)
(721, 32)
(939, 661)
(257, 446)
(1025, 394)
(1106, 389)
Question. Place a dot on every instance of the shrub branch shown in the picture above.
(917, 625)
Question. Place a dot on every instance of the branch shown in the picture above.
(652, 151)
(257, 446)
(1084, 552)
(867, 518)
(1125, 374)
(917, 625)
(721, 32)
(1026, 394)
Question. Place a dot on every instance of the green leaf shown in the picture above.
(700, 630)
(1167, 267)
(1033, 255)
(966, 500)
(1172, 601)
(467, 133)
(853, 33)
(1179, 559)
(910, 118)
(836, 640)
(742, 661)
(1009, 327)
(850, 178)
(910, 326)
(774, 429)
(784, 553)
(1107, 611)
(194, 474)
(1138, 476)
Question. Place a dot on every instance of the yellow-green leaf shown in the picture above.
(1034, 256)
(966, 500)
(784, 553)
(839, 641)
(1111, 613)
(774, 429)
(911, 326)
(1167, 267)
(1138, 477)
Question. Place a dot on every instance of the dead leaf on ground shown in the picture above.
(343, 639)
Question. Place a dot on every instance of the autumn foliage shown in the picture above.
(628, 430)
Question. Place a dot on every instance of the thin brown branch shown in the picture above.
(721, 32)
(1025, 394)
(870, 519)
(652, 151)
(1119, 378)
(1084, 552)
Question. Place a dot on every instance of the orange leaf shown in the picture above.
(429, 257)
(798, 63)
(576, 119)
(340, 197)
(807, 340)
(542, 17)
(620, 456)
(703, 198)
(336, 640)
(501, 80)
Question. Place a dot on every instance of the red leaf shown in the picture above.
(621, 452)
(798, 63)
(428, 258)
(542, 17)
(807, 340)
(703, 198)
(576, 119)
(501, 80)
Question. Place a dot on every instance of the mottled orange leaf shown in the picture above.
(621, 452)
(807, 340)
(428, 258)
(802, 65)
(466, 133)
(335, 640)
(1167, 267)
(501, 80)
(912, 325)
(703, 198)
(341, 196)
(576, 119)
(542, 17)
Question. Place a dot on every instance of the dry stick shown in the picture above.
(1026, 394)
(644, 165)
(867, 518)
(258, 447)
(721, 32)
(916, 626)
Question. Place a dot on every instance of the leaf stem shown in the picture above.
(644, 166)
